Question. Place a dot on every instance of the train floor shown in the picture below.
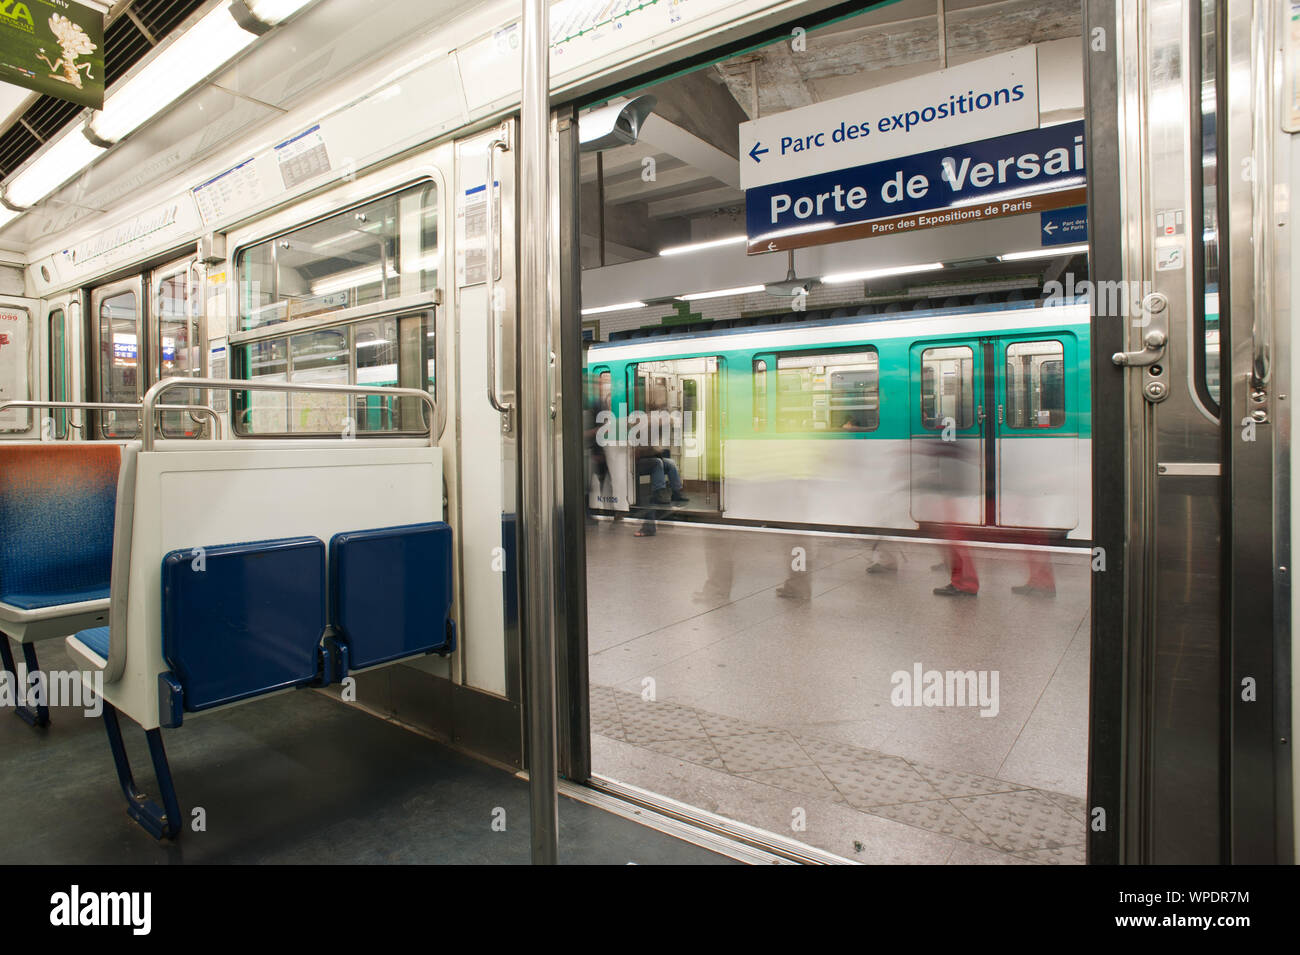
(295, 778)
(786, 712)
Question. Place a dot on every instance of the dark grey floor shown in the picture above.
(297, 778)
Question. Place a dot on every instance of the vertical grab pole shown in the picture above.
(535, 434)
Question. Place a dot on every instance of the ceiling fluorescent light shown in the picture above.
(700, 246)
(62, 160)
(719, 293)
(355, 278)
(192, 56)
(599, 309)
(866, 276)
(1047, 253)
(275, 11)
(795, 230)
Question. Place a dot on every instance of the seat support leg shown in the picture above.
(160, 822)
(38, 715)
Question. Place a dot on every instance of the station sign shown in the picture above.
(55, 48)
(1016, 174)
(989, 97)
(1064, 226)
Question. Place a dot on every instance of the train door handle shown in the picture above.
(979, 414)
(504, 408)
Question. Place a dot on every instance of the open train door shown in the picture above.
(948, 444)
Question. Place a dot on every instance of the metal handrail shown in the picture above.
(491, 238)
(117, 406)
(233, 385)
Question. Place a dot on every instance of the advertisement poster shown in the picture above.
(54, 47)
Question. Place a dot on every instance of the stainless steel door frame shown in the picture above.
(1257, 157)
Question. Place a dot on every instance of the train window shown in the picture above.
(119, 361)
(179, 345)
(319, 357)
(389, 350)
(760, 394)
(1035, 391)
(385, 249)
(59, 371)
(834, 392)
(947, 387)
(377, 357)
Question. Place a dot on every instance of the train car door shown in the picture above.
(177, 346)
(948, 447)
(1037, 419)
(117, 331)
(64, 365)
(19, 364)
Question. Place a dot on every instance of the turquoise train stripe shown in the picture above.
(898, 378)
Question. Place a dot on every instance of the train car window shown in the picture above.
(828, 393)
(760, 394)
(947, 387)
(385, 249)
(376, 350)
(59, 371)
(180, 345)
(263, 412)
(1035, 385)
(388, 351)
(119, 361)
(320, 357)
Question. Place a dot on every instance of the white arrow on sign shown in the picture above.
(1050, 228)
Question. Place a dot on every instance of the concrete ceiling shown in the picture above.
(680, 182)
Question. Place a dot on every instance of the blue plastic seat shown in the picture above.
(56, 598)
(391, 591)
(96, 639)
(240, 620)
(56, 523)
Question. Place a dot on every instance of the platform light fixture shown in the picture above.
(701, 246)
(721, 293)
(621, 307)
(839, 278)
(1045, 253)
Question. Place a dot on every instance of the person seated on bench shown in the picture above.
(663, 474)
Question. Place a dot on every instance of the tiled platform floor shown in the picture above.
(760, 697)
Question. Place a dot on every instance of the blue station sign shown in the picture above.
(1064, 226)
(1007, 175)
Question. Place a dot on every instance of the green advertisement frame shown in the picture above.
(55, 47)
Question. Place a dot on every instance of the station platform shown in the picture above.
(778, 711)
(296, 778)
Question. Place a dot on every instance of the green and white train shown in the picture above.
(978, 417)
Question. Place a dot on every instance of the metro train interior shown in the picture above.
(677, 432)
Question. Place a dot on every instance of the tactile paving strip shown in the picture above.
(1043, 827)
(1022, 820)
